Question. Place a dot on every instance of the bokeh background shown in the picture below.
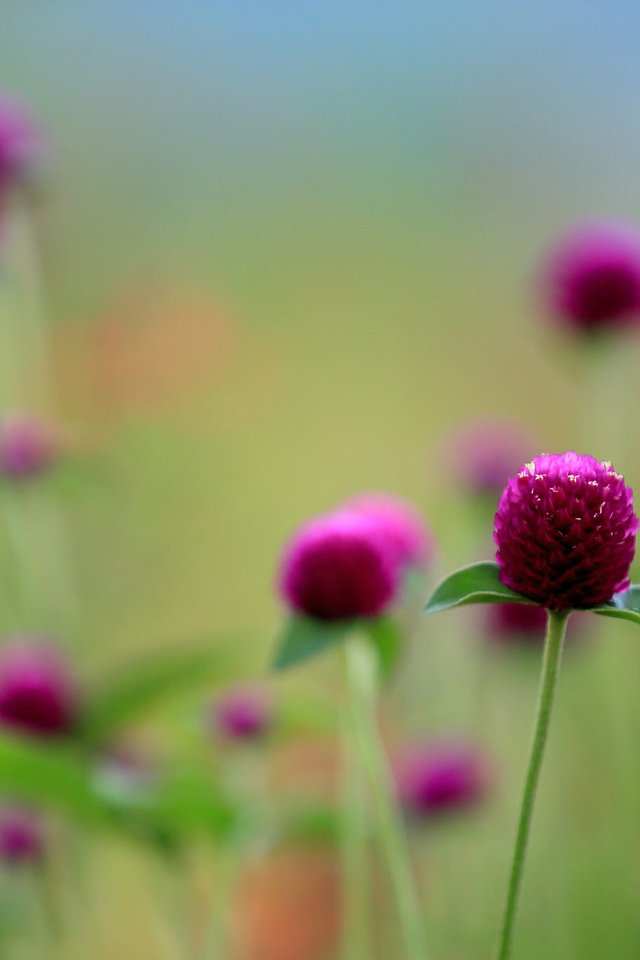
(289, 248)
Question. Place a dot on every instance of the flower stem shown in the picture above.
(355, 867)
(556, 629)
(362, 679)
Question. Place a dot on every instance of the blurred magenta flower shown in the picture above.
(28, 445)
(38, 694)
(508, 620)
(510, 624)
(21, 836)
(591, 279)
(485, 453)
(442, 776)
(22, 143)
(565, 531)
(400, 524)
(242, 713)
(338, 567)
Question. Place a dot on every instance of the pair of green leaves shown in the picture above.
(480, 583)
(303, 638)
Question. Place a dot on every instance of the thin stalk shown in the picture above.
(556, 629)
(355, 866)
(362, 671)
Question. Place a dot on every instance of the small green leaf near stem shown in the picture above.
(477, 583)
(556, 629)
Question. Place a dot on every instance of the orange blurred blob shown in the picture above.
(143, 354)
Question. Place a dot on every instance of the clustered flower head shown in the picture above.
(349, 564)
(591, 280)
(21, 143)
(28, 446)
(243, 713)
(38, 695)
(565, 531)
(442, 776)
(485, 453)
(21, 836)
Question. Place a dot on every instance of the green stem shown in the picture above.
(556, 628)
(355, 866)
(362, 678)
(218, 938)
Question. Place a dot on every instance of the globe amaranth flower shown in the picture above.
(28, 446)
(485, 453)
(565, 531)
(21, 836)
(400, 523)
(38, 695)
(338, 567)
(442, 776)
(21, 143)
(591, 280)
(243, 713)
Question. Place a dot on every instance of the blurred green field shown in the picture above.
(287, 251)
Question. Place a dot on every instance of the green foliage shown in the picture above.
(303, 638)
(48, 775)
(477, 583)
(139, 688)
(387, 638)
(625, 606)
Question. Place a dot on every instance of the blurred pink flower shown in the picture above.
(22, 143)
(485, 453)
(28, 445)
(400, 524)
(21, 836)
(38, 694)
(242, 713)
(338, 567)
(441, 776)
(591, 278)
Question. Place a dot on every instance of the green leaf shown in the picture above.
(388, 641)
(303, 638)
(49, 775)
(625, 605)
(164, 812)
(309, 824)
(477, 583)
(138, 688)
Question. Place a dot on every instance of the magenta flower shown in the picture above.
(28, 446)
(338, 567)
(37, 692)
(486, 453)
(400, 524)
(243, 713)
(565, 531)
(21, 143)
(592, 278)
(441, 777)
(21, 837)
